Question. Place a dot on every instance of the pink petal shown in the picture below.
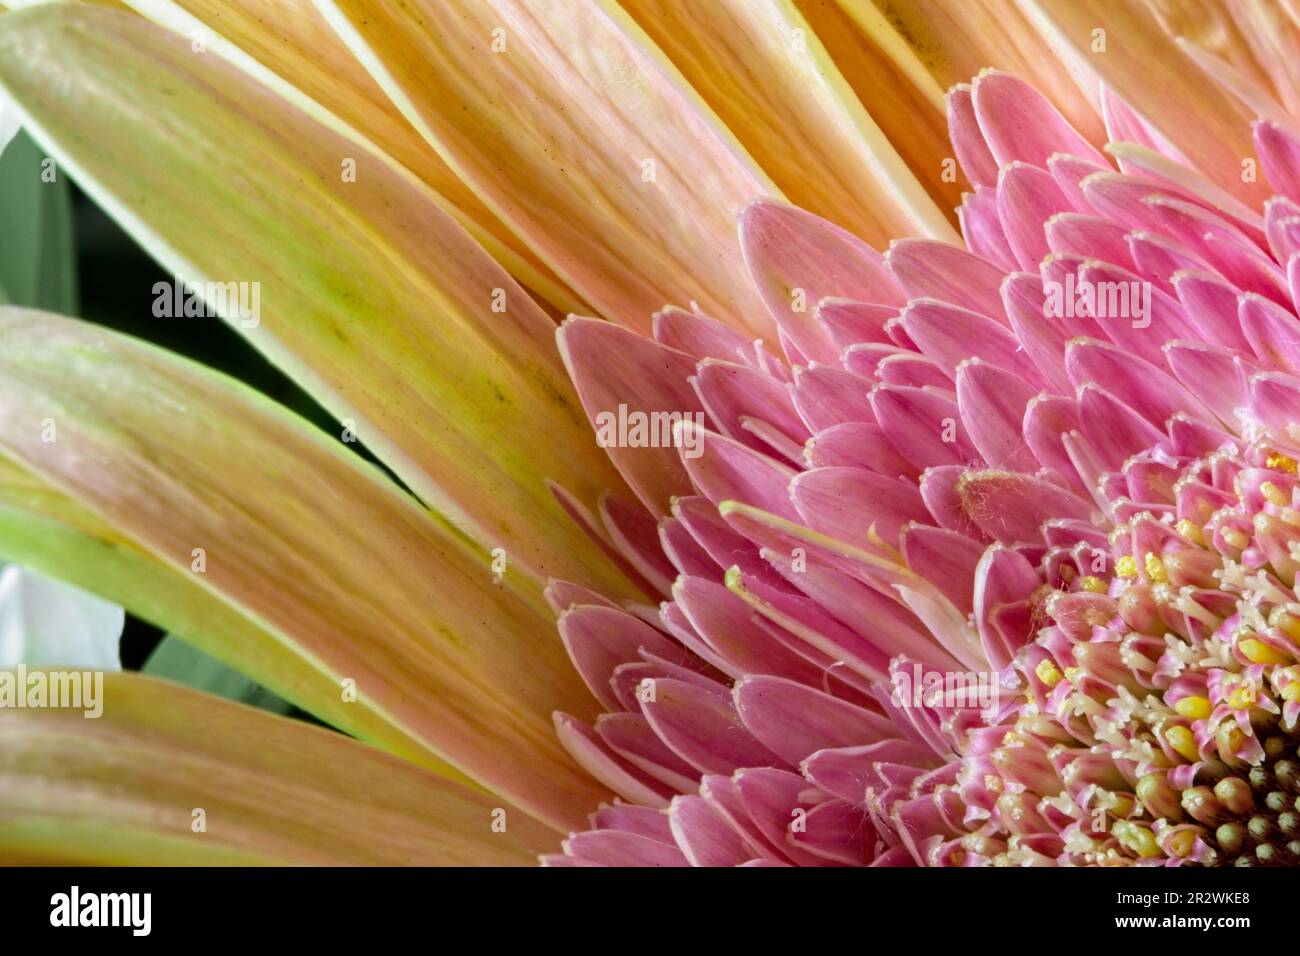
(1113, 430)
(923, 427)
(967, 139)
(929, 269)
(727, 624)
(1275, 401)
(981, 227)
(612, 366)
(716, 537)
(913, 371)
(943, 501)
(1011, 507)
(642, 821)
(1216, 377)
(858, 445)
(635, 533)
(1070, 172)
(1027, 198)
(1137, 383)
(788, 249)
(684, 551)
(1047, 418)
(728, 470)
(846, 772)
(946, 558)
(631, 737)
(730, 391)
(599, 639)
(795, 720)
(1160, 259)
(597, 759)
(1090, 237)
(621, 848)
(1212, 304)
(1041, 336)
(774, 799)
(837, 831)
(700, 336)
(705, 838)
(949, 335)
(849, 322)
(1003, 577)
(1019, 123)
(703, 729)
(1279, 153)
(1273, 333)
(1282, 227)
(826, 396)
(562, 595)
(847, 502)
(992, 404)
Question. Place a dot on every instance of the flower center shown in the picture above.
(1173, 669)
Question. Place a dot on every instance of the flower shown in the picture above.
(993, 566)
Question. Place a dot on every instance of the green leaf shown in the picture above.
(178, 661)
(38, 261)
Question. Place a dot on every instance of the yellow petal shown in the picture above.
(904, 98)
(1259, 40)
(577, 131)
(371, 297)
(288, 42)
(171, 776)
(759, 64)
(316, 547)
(1147, 69)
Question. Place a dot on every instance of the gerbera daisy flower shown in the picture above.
(977, 550)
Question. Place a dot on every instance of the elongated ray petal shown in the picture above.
(366, 292)
(123, 789)
(616, 120)
(283, 525)
(758, 63)
(288, 45)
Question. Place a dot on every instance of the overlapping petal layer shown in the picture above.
(1040, 608)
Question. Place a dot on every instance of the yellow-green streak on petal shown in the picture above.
(371, 297)
(314, 546)
(46, 530)
(171, 776)
(577, 131)
(288, 42)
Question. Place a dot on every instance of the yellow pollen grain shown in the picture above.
(1274, 494)
(1048, 672)
(1190, 530)
(1182, 843)
(1194, 708)
(1073, 675)
(1156, 569)
(1287, 623)
(1281, 462)
(1090, 582)
(1126, 567)
(1242, 697)
(1183, 742)
(1136, 838)
(1257, 652)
